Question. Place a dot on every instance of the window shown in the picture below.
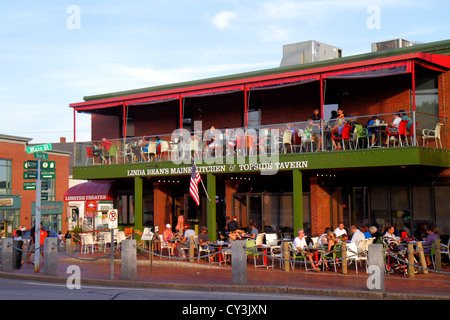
(5, 176)
(427, 97)
(125, 206)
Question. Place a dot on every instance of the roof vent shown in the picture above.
(307, 52)
(391, 44)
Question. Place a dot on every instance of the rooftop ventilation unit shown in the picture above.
(307, 52)
(391, 44)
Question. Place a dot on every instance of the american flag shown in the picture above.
(193, 188)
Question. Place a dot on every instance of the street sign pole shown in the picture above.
(37, 225)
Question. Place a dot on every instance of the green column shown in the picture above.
(138, 203)
(297, 206)
(211, 206)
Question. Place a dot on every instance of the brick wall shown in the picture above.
(17, 153)
(320, 206)
(444, 100)
(162, 199)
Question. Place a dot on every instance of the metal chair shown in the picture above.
(297, 255)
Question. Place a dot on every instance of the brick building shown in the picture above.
(315, 184)
(18, 198)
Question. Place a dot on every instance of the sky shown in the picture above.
(53, 53)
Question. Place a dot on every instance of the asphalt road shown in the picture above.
(18, 289)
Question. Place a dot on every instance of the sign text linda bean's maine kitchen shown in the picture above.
(232, 168)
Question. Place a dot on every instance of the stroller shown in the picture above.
(395, 259)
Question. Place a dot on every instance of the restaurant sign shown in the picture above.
(264, 168)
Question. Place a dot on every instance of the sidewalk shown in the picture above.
(203, 276)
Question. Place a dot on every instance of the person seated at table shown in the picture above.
(374, 233)
(357, 235)
(432, 236)
(210, 137)
(393, 126)
(167, 236)
(391, 240)
(338, 128)
(203, 240)
(323, 239)
(144, 150)
(185, 239)
(316, 114)
(371, 132)
(237, 235)
(405, 117)
(254, 231)
(329, 247)
(366, 232)
(158, 145)
(340, 230)
(300, 245)
(312, 132)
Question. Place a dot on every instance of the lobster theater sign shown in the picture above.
(264, 168)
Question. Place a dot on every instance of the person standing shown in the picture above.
(233, 224)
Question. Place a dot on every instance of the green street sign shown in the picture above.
(44, 196)
(40, 156)
(44, 185)
(47, 174)
(39, 148)
(29, 186)
(30, 164)
(30, 174)
(48, 165)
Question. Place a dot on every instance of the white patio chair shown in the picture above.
(89, 243)
(164, 245)
(435, 134)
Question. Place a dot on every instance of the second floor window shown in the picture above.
(5, 176)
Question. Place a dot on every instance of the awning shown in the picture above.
(95, 190)
(285, 82)
(381, 70)
(213, 91)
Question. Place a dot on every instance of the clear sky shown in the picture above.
(55, 52)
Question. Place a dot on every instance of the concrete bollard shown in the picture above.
(239, 262)
(375, 263)
(17, 254)
(129, 268)
(50, 256)
(7, 254)
(69, 247)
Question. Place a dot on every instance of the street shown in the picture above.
(18, 289)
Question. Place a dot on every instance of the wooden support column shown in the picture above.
(138, 203)
(297, 199)
(211, 206)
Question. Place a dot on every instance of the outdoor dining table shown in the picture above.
(219, 246)
(378, 128)
(263, 248)
(315, 250)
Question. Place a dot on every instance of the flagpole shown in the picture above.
(205, 190)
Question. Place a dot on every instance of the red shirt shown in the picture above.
(43, 235)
